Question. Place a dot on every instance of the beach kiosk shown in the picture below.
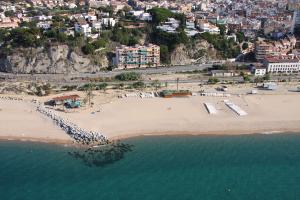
(270, 86)
(69, 101)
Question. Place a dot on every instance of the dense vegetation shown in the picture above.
(125, 36)
(160, 15)
(90, 48)
(167, 42)
(128, 76)
(227, 48)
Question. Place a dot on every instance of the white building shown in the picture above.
(97, 25)
(136, 13)
(98, 3)
(169, 26)
(141, 15)
(260, 71)
(191, 29)
(44, 25)
(232, 36)
(283, 64)
(83, 27)
(43, 18)
(92, 18)
(208, 27)
(145, 17)
(108, 22)
(72, 5)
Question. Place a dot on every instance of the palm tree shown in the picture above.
(156, 84)
(89, 93)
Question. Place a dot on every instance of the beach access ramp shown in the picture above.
(210, 108)
(235, 108)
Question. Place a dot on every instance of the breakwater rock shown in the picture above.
(78, 134)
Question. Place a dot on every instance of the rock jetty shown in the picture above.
(79, 135)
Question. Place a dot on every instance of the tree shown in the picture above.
(240, 37)
(160, 14)
(102, 86)
(267, 77)
(213, 81)
(258, 80)
(107, 9)
(9, 13)
(126, 36)
(25, 37)
(164, 54)
(246, 78)
(89, 92)
(139, 85)
(156, 84)
(245, 46)
(222, 29)
(101, 43)
(61, 37)
(227, 48)
(3, 35)
(88, 49)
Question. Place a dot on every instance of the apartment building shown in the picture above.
(265, 48)
(137, 56)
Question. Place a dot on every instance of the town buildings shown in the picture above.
(264, 48)
(9, 23)
(206, 26)
(170, 25)
(83, 27)
(137, 56)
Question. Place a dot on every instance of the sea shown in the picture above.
(239, 167)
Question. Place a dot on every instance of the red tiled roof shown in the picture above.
(62, 98)
(281, 59)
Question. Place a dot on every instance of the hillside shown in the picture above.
(54, 59)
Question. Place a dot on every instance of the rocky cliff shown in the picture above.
(54, 59)
(197, 52)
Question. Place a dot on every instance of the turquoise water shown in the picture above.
(178, 167)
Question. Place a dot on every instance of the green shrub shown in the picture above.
(88, 49)
(213, 80)
(128, 76)
(139, 85)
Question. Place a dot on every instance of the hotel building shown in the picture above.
(137, 56)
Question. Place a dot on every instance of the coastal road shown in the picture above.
(53, 77)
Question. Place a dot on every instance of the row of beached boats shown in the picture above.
(11, 98)
(140, 95)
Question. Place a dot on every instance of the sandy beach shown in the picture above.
(268, 112)
(20, 121)
(130, 117)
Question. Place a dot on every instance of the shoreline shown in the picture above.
(38, 140)
(154, 134)
(207, 133)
